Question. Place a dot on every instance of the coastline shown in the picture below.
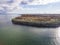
(24, 20)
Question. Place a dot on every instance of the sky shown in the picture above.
(42, 2)
(30, 6)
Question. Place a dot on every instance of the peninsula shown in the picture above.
(38, 20)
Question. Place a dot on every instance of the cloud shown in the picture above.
(42, 2)
(5, 1)
(41, 8)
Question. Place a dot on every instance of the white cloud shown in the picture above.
(42, 2)
(15, 8)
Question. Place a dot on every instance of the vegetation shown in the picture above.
(34, 18)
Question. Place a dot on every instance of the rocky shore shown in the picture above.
(37, 20)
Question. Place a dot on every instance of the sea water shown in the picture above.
(11, 34)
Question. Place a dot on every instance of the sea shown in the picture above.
(11, 34)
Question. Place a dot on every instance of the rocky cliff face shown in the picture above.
(37, 18)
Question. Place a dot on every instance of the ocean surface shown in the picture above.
(11, 34)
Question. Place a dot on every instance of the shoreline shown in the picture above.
(42, 21)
